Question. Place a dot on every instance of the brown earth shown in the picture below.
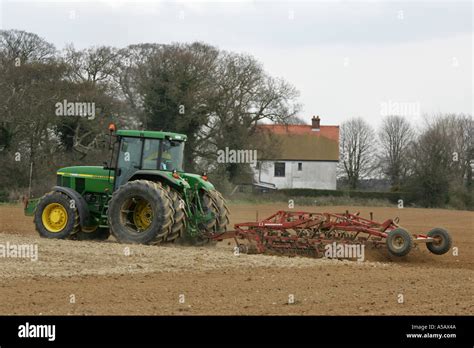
(111, 278)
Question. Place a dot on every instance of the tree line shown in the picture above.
(213, 96)
(434, 163)
(217, 98)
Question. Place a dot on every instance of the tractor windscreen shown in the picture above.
(172, 155)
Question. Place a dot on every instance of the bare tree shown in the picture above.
(132, 71)
(430, 166)
(460, 131)
(93, 65)
(30, 81)
(395, 136)
(357, 150)
(292, 121)
(27, 47)
(440, 161)
(247, 95)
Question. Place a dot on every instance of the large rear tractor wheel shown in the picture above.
(216, 203)
(442, 241)
(56, 216)
(179, 217)
(399, 242)
(141, 212)
(211, 201)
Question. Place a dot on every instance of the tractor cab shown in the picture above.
(140, 152)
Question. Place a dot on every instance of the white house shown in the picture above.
(307, 157)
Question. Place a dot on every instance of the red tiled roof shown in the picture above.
(300, 142)
(330, 132)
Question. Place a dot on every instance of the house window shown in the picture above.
(300, 166)
(280, 169)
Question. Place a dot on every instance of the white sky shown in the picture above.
(346, 58)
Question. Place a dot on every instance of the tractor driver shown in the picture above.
(150, 156)
(166, 158)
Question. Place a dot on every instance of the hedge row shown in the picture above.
(393, 197)
(3, 196)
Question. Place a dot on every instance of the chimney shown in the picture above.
(315, 124)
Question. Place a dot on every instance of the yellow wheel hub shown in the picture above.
(143, 215)
(54, 217)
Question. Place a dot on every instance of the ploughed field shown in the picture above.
(95, 278)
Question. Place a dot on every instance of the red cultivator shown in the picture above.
(303, 233)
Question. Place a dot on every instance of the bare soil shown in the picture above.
(97, 278)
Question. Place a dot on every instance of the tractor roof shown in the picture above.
(151, 134)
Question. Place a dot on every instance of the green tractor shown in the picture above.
(143, 196)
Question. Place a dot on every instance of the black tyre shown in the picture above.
(221, 211)
(141, 212)
(399, 242)
(442, 242)
(56, 216)
(98, 233)
(179, 217)
(212, 201)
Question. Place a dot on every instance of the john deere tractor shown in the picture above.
(142, 196)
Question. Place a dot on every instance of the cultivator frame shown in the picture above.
(304, 233)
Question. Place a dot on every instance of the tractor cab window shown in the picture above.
(129, 155)
(151, 151)
(172, 155)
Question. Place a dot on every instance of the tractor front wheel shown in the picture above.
(56, 216)
(141, 212)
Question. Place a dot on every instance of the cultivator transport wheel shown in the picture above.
(94, 233)
(442, 241)
(56, 217)
(179, 216)
(399, 242)
(141, 212)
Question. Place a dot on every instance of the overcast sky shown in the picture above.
(346, 58)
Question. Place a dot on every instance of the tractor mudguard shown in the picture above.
(79, 201)
(167, 178)
(197, 181)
